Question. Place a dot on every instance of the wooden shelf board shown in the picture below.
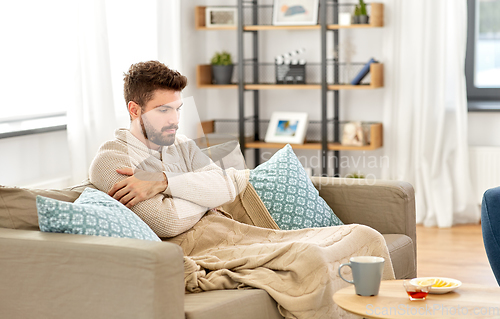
(288, 87)
(376, 21)
(313, 146)
(204, 81)
(281, 27)
(290, 27)
(215, 28)
(217, 86)
(351, 87)
(282, 86)
(352, 26)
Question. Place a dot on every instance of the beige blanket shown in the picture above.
(297, 268)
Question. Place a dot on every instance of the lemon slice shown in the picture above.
(427, 282)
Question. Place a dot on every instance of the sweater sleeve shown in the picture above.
(206, 184)
(167, 216)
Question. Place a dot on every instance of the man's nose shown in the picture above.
(174, 118)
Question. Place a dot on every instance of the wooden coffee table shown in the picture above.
(467, 301)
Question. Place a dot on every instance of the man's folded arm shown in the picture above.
(167, 216)
(206, 184)
(210, 188)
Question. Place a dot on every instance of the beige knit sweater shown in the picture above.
(195, 183)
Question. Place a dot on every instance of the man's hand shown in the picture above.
(141, 185)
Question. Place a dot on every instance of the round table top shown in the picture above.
(467, 301)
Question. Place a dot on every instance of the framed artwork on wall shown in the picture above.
(287, 127)
(220, 17)
(295, 12)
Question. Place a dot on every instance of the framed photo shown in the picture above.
(220, 17)
(295, 12)
(287, 127)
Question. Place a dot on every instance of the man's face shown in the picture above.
(160, 117)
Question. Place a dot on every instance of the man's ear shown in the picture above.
(134, 110)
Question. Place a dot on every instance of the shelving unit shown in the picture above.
(250, 76)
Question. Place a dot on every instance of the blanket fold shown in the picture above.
(297, 268)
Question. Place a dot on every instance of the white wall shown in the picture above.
(484, 129)
(27, 160)
(35, 160)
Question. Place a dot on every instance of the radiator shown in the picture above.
(485, 169)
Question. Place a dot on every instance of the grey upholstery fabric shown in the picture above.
(225, 304)
(402, 255)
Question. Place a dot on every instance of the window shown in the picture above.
(482, 65)
(38, 58)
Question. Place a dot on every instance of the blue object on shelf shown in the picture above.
(364, 71)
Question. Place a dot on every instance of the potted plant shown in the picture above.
(363, 16)
(355, 18)
(222, 68)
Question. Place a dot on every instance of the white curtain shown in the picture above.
(91, 120)
(425, 113)
(112, 35)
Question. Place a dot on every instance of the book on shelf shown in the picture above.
(363, 73)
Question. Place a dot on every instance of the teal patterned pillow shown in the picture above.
(93, 213)
(288, 193)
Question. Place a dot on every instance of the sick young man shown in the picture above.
(171, 185)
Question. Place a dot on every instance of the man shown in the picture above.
(168, 182)
(160, 186)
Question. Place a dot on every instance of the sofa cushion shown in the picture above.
(18, 205)
(288, 193)
(226, 155)
(93, 213)
(244, 304)
(402, 255)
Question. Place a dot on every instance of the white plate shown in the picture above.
(439, 290)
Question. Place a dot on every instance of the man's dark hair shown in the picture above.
(143, 78)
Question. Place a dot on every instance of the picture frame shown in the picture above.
(287, 127)
(220, 17)
(295, 12)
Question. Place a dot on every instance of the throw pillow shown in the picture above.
(93, 213)
(288, 193)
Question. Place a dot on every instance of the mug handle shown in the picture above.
(348, 265)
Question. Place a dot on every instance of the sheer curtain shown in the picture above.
(112, 35)
(91, 120)
(425, 113)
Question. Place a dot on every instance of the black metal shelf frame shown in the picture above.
(252, 18)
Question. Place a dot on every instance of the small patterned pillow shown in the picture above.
(93, 213)
(288, 193)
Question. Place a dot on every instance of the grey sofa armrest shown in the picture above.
(45, 275)
(387, 206)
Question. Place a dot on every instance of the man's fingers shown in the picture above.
(119, 185)
(126, 199)
(131, 203)
(121, 193)
(125, 171)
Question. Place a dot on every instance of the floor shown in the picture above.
(456, 252)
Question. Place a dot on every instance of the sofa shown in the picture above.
(49, 275)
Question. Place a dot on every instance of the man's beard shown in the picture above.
(151, 134)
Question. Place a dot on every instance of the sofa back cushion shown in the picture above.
(18, 205)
